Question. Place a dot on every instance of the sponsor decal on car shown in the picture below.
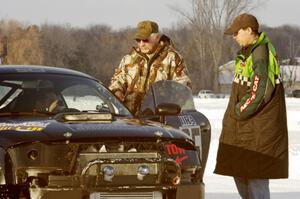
(24, 126)
(174, 150)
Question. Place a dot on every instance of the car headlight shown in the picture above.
(109, 173)
(143, 170)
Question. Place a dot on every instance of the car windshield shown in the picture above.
(46, 93)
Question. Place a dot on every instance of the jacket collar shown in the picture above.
(244, 53)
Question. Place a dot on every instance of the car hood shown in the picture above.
(19, 131)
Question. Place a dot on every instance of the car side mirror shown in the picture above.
(165, 109)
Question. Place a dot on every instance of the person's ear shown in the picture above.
(249, 30)
(155, 37)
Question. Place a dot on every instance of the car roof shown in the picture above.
(37, 69)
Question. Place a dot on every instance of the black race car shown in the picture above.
(63, 134)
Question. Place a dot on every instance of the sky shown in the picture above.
(124, 13)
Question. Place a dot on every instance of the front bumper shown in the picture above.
(195, 191)
(181, 192)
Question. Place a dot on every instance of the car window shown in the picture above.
(3, 92)
(56, 93)
(8, 92)
(81, 97)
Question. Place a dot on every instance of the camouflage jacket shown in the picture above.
(137, 72)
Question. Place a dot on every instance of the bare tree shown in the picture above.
(59, 45)
(290, 70)
(24, 46)
(207, 20)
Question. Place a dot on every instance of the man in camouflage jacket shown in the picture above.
(152, 60)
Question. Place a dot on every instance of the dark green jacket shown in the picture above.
(254, 139)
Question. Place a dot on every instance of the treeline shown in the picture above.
(97, 49)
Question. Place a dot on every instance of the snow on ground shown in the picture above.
(214, 110)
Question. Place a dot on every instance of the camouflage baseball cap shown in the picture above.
(145, 29)
(242, 21)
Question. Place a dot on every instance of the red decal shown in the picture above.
(253, 94)
(180, 159)
(174, 150)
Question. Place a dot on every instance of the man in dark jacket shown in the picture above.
(253, 145)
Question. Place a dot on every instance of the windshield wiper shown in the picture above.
(104, 112)
(119, 115)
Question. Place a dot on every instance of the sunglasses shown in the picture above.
(143, 40)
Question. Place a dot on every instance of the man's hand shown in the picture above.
(119, 95)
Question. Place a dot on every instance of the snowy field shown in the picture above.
(216, 184)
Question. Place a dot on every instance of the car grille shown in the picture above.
(125, 166)
(139, 166)
(127, 195)
(122, 168)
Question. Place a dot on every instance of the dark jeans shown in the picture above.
(253, 188)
